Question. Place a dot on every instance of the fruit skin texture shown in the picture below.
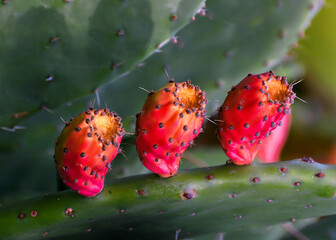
(251, 111)
(85, 149)
(271, 146)
(167, 124)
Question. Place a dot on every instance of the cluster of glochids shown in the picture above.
(169, 121)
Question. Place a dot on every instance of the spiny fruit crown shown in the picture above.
(107, 125)
(279, 90)
(190, 96)
(273, 89)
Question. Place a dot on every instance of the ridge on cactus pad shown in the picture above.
(251, 111)
(85, 149)
(167, 124)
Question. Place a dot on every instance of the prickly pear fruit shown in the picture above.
(271, 146)
(167, 124)
(85, 149)
(251, 111)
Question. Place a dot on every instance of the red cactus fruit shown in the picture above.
(85, 149)
(167, 124)
(250, 112)
(270, 148)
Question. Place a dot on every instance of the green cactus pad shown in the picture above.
(56, 51)
(227, 198)
(218, 50)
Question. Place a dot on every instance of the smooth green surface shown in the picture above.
(162, 209)
(233, 39)
(218, 50)
(79, 44)
(318, 53)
